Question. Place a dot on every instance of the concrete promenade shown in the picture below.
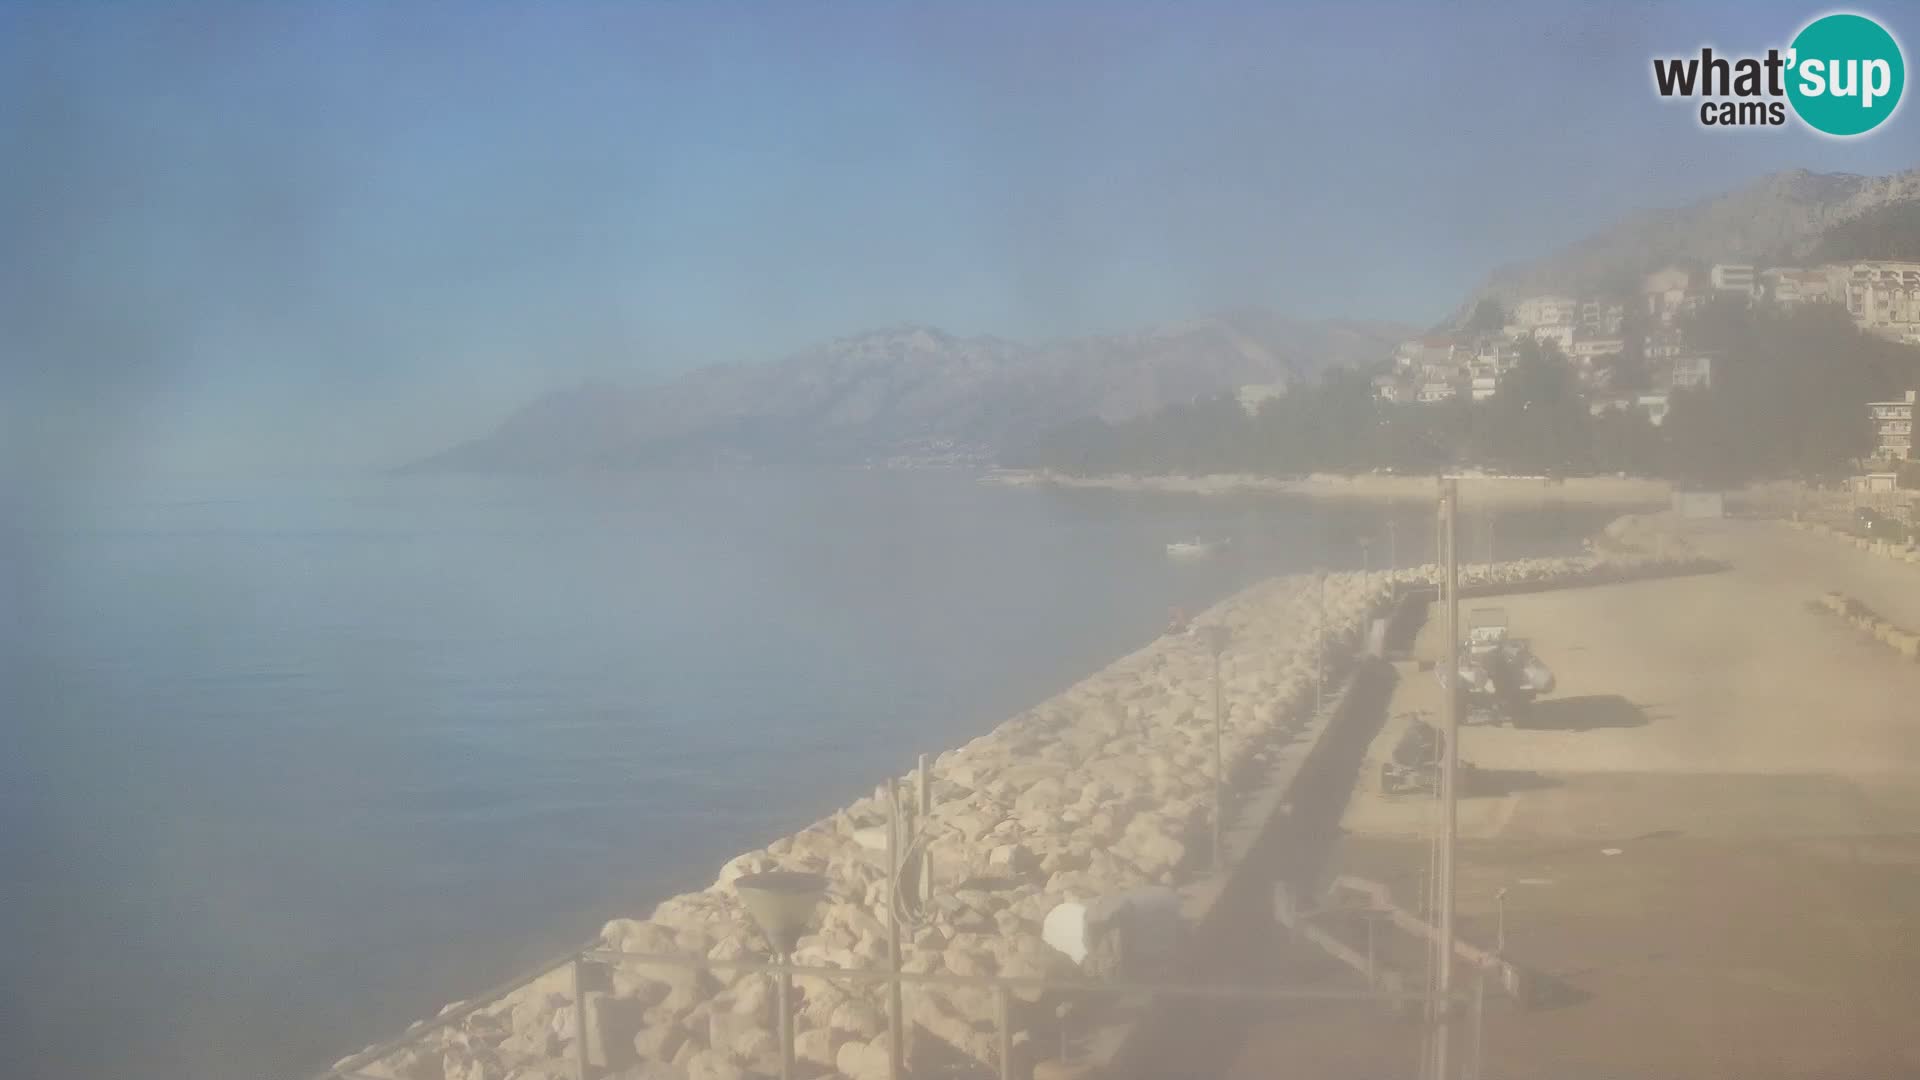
(1709, 835)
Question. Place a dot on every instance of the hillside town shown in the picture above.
(1632, 353)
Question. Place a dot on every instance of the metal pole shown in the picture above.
(1320, 654)
(896, 1015)
(1393, 544)
(1219, 769)
(580, 1022)
(1479, 1022)
(1449, 765)
(1373, 965)
(926, 853)
(784, 999)
(1004, 1018)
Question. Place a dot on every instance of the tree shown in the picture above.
(1487, 317)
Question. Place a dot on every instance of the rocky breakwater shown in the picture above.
(1104, 788)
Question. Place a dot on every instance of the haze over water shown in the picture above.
(292, 768)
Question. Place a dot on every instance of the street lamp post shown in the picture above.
(1215, 637)
(1320, 653)
(782, 903)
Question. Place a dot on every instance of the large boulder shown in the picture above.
(867, 1060)
(659, 1042)
(859, 1019)
(819, 1046)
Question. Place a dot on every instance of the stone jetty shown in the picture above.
(1103, 788)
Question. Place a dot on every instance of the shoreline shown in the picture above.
(1101, 788)
(1622, 492)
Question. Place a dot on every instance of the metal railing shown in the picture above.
(1003, 988)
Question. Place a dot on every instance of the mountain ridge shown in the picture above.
(911, 390)
(1777, 218)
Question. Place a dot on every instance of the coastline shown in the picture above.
(1623, 492)
(1102, 788)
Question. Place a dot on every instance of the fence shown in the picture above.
(1002, 987)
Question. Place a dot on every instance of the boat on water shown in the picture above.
(1195, 548)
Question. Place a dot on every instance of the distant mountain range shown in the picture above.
(919, 395)
(1780, 219)
(911, 393)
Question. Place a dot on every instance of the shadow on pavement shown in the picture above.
(1586, 713)
(1493, 783)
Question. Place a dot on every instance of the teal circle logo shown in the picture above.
(1846, 74)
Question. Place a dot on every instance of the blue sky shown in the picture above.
(308, 236)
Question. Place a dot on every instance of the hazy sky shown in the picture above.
(334, 234)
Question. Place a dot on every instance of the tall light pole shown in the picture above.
(1449, 765)
(896, 1013)
(1366, 561)
(1320, 654)
(1215, 636)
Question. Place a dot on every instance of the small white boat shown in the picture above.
(1194, 549)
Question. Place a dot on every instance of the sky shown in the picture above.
(339, 236)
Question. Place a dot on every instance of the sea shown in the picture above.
(288, 766)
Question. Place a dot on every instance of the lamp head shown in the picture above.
(781, 903)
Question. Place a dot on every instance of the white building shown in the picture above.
(1893, 427)
(1732, 278)
(1425, 352)
(1589, 350)
(1790, 286)
(1497, 354)
(1665, 292)
(1435, 392)
(1884, 296)
(1485, 386)
(1561, 335)
(1664, 344)
(1602, 318)
(1691, 371)
(1656, 406)
(1538, 311)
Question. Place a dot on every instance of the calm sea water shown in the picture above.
(288, 769)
